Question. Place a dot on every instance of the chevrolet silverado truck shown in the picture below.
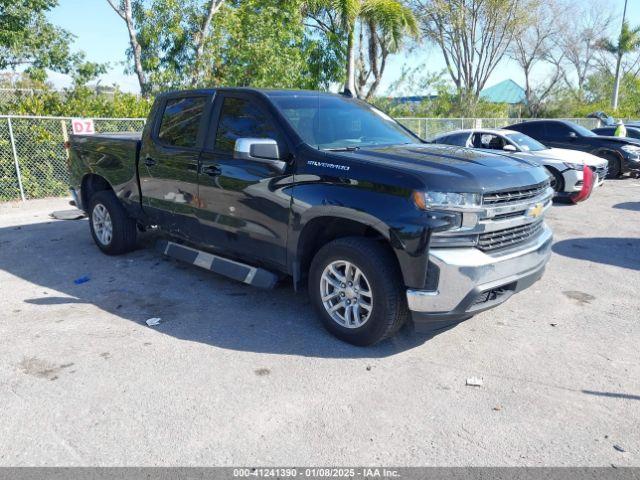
(380, 226)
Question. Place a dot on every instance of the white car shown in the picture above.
(565, 166)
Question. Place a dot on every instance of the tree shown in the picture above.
(192, 43)
(388, 20)
(628, 41)
(473, 36)
(537, 45)
(157, 28)
(579, 41)
(28, 40)
(379, 44)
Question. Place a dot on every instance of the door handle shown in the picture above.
(211, 170)
(149, 162)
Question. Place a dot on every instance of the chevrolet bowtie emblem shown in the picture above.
(535, 211)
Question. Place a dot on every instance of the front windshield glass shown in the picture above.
(525, 142)
(585, 132)
(334, 122)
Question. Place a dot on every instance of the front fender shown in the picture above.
(390, 213)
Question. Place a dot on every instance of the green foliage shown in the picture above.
(261, 43)
(597, 96)
(628, 41)
(80, 101)
(443, 101)
(29, 40)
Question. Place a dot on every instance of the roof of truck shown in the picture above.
(265, 91)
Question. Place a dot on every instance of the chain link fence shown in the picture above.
(429, 128)
(33, 162)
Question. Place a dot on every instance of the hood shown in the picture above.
(573, 156)
(451, 168)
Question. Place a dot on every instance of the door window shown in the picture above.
(488, 140)
(241, 118)
(181, 121)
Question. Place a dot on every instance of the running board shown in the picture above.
(257, 277)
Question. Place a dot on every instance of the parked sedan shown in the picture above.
(632, 132)
(565, 166)
(623, 154)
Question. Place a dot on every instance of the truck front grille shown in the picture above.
(508, 237)
(514, 196)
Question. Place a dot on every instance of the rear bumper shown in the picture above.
(471, 281)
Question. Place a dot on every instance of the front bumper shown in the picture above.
(471, 281)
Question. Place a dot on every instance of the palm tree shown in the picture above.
(392, 17)
(628, 41)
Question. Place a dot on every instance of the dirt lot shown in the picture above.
(235, 375)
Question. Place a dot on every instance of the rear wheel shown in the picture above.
(356, 288)
(111, 228)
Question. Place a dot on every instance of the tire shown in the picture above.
(615, 167)
(557, 183)
(388, 308)
(105, 209)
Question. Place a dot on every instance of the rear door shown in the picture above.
(169, 162)
(244, 207)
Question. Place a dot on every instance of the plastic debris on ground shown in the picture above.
(619, 448)
(474, 382)
(73, 214)
(152, 322)
(81, 280)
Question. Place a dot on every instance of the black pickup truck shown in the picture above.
(381, 226)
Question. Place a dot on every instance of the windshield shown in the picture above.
(583, 131)
(525, 142)
(334, 122)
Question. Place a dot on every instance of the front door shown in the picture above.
(169, 163)
(244, 204)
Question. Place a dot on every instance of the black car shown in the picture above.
(623, 154)
(632, 132)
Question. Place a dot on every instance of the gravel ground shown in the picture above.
(235, 375)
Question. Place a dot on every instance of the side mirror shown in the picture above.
(264, 150)
(572, 135)
(509, 148)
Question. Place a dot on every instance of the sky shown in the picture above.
(102, 35)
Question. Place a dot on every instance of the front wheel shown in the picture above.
(356, 287)
(615, 165)
(111, 228)
(557, 181)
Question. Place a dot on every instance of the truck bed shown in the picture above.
(113, 156)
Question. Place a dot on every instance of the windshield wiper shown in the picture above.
(343, 149)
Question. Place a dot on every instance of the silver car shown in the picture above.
(565, 166)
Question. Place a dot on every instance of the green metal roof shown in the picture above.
(507, 91)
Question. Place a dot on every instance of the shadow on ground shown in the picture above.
(625, 396)
(194, 305)
(633, 206)
(620, 252)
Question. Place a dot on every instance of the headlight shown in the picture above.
(446, 200)
(574, 166)
(632, 150)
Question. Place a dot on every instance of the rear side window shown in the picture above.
(534, 129)
(458, 139)
(181, 121)
(241, 118)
